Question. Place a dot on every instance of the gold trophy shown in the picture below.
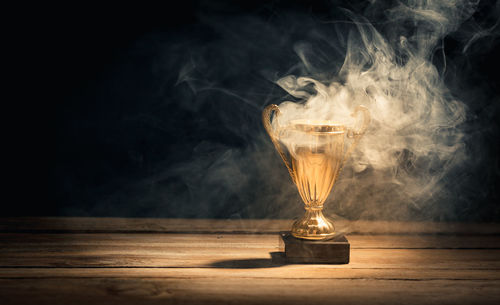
(317, 153)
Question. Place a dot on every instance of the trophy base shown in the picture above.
(331, 251)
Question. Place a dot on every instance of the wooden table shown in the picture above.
(177, 261)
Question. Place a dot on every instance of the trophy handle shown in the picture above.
(266, 118)
(356, 135)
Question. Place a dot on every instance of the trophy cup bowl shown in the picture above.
(317, 153)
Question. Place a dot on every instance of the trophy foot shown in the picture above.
(313, 226)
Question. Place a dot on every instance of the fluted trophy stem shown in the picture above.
(316, 153)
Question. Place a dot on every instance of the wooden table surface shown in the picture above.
(179, 261)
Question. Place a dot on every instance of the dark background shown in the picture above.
(107, 121)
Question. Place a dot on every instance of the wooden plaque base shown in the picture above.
(332, 251)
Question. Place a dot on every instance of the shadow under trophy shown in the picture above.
(317, 153)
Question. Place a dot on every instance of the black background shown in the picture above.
(91, 110)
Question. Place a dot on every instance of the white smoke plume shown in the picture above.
(416, 136)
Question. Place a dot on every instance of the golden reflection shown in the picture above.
(317, 154)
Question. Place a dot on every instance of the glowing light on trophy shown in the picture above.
(317, 153)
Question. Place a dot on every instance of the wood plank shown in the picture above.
(205, 250)
(254, 257)
(20, 241)
(263, 226)
(143, 225)
(247, 291)
(277, 272)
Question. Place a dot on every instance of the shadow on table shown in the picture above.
(277, 260)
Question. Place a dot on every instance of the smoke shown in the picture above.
(416, 137)
(427, 154)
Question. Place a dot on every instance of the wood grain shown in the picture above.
(259, 226)
(173, 261)
(204, 250)
(12, 240)
(360, 258)
(247, 291)
(294, 271)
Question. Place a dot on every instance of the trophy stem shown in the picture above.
(313, 225)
